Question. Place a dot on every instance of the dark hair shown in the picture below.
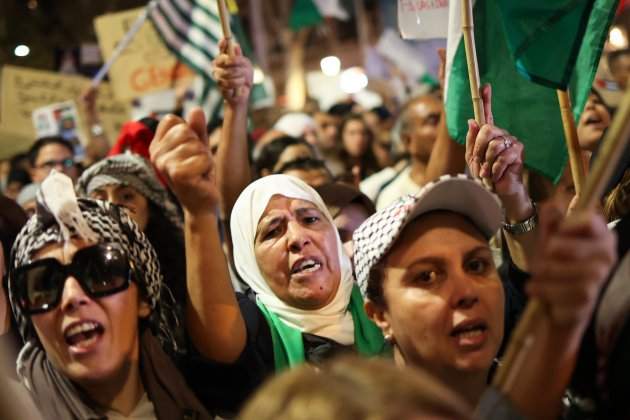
(12, 218)
(368, 163)
(168, 242)
(341, 109)
(270, 152)
(374, 289)
(19, 175)
(45, 141)
(213, 124)
(304, 164)
(616, 55)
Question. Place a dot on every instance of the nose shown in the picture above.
(297, 237)
(73, 295)
(464, 294)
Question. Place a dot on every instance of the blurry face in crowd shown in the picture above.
(355, 138)
(327, 127)
(54, 156)
(313, 177)
(291, 153)
(13, 189)
(593, 122)
(443, 295)
(620, 70)
(136, 204)
(296, 251)
(422, 118)
(347, 221)
(90, 341)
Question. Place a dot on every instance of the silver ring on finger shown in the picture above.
(507, 142)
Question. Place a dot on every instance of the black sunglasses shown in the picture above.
(101, 270)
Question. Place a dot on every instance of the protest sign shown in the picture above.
(145, 65)
(423, 19)
(24, 90)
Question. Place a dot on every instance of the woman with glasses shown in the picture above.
(88, 296)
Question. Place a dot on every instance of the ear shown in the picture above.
(379, 316)
(144, 309)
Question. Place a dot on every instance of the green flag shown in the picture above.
(527, 109)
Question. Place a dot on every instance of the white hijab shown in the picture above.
(331, 321)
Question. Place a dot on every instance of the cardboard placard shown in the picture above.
(145, 65)
(24, 90)
(423, 19)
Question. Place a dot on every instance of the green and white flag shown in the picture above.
(305, 13)
(527, 109)
(191, 29)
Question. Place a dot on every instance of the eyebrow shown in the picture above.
(438, 260)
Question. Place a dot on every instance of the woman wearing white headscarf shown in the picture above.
(305, 305)
(287, 250)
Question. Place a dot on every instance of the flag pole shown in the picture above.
(124, 43)
(613, 145)
(471, 60)
(224, 15)
(570, 136)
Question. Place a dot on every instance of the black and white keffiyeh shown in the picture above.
(459, 194)
(64, 216)
(133, 171)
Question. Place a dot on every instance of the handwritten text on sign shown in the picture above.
(145, 65)
(24, 90)
(423, 19)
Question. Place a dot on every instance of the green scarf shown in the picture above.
(288, 347)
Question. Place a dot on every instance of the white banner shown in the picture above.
(423, 19)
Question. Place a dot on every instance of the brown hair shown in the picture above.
(353, 388)
(617, 203)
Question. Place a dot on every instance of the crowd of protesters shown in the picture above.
(348, 263)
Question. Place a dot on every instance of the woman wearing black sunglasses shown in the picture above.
(86, 289)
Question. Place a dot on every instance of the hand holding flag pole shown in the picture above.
(224, 15)
(613, 145)
(468, 30)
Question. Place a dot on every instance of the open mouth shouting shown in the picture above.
(82, 336)
(470, 334)
(305, 266)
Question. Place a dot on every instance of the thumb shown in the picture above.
(196, 119)
(236, 50)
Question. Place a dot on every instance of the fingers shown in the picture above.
(473, 163)
(163, 127)
(486, 97)
(486, 134)
(197, 121)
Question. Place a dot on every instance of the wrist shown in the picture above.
(518, 207)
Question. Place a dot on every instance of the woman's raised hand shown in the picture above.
(574, 258)
(233, 73)
(180, 151)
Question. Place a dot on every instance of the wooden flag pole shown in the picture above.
(570, 136)
(224, 15)
(613, 145)
(471, 60)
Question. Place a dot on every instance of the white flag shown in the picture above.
(423, 19)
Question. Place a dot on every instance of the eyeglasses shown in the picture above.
(101, 270)
(51, 164)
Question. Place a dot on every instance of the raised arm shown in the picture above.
(181, 152)
(492, 153)
(234, 75)
(573, 260)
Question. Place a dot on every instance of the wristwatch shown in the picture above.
(525, 226)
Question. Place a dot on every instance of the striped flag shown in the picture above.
(191, 29)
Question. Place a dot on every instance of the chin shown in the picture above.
(474, 363)
(93, 372)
